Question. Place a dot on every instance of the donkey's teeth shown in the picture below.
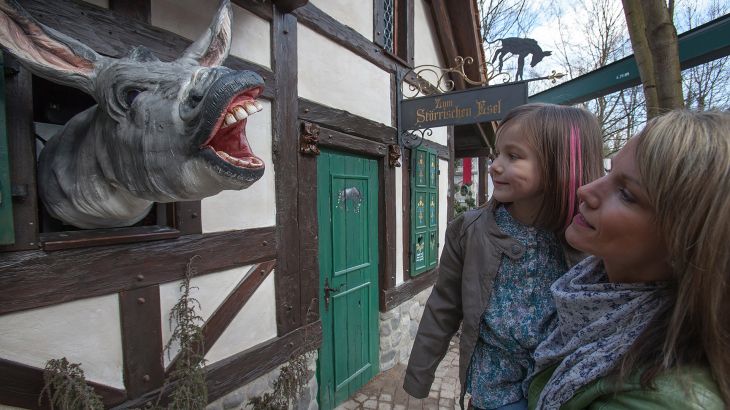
(240, 113)
(250, 108)
(230, 119)
(258, 105)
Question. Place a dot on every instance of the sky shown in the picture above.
(547, 32)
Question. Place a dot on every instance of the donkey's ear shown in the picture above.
(212, 48)
(45, 51)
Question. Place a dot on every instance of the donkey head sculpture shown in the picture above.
(160, 132)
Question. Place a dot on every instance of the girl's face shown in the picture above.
(616, 223)
(515, 173)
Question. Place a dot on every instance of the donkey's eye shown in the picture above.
(130, 95)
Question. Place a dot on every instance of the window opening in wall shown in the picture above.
(388, 25)
(53, 106)
(391, 27)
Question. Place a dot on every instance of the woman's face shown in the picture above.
(616, 223)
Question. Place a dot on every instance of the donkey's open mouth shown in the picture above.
(228, 139)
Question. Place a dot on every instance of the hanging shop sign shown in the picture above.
(462, 107)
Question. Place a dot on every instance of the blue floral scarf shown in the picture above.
(597, 323)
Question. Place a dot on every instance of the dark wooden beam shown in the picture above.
(452, 159)
(35, 279)
(444, 30)
(244, 367)
(287, 6)
(21, 147)
(308, 238)
(21, 386)
(473, 153)
(404, 35)
(186, 217)
(315, 19)
(346, 122)
(55, 241)
(406, 211)
(227, 311)
(229, 374)
(113, 35)
(262, 9)
(387, 227)
(483, 187)
(134, 9)
(464, 16)
(346, 142)
(407, 290)
(286, 153)
(141, 340)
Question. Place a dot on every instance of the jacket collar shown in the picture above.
(505, 243)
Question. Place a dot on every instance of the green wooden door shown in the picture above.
(347, 207)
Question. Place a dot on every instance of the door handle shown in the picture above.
(327, 291)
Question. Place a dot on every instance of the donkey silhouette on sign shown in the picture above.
(520, 47)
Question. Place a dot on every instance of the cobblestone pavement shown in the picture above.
(385, 391)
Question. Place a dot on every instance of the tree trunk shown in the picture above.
(654, 40)
(662, 37)
(637, 32)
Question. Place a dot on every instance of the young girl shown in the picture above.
(498, 261)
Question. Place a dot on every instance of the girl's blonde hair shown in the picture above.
(570, 153)
(684, 163)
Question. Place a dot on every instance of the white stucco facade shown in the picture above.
(426, 48)
(86, 331)
(251, 35)
(358, 15)
(336, 77)
(211, 290)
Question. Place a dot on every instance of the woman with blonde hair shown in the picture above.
(642, 324)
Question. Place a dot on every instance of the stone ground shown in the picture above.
(385, 391)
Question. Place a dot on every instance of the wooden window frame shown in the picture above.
(402, 30)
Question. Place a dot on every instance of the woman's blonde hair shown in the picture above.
(569, 148)
(684, 163)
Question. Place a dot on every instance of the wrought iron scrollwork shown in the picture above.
(414, 138)
(427, 80)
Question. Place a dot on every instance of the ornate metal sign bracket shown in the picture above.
(428, 80)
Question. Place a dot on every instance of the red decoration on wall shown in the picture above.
(466, 173)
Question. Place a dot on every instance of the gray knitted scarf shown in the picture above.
(597, 323)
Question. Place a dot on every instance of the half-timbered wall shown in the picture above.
(256, 250)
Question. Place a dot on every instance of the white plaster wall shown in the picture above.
(84, 331)
(358, 15)
(426, 49)
(255, 323)
(440, 135)
(444, 199)
(254, 207)
(251, 35)
(399, 225)
(334, 76)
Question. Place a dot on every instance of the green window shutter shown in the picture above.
(424, 210)
(7, 231)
